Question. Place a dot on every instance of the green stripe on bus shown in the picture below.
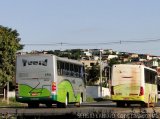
(63, 88)
(27, 91)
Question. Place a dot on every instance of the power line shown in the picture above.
(92, 44)
(141, 41)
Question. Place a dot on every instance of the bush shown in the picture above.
(12, 99)
(90, 99)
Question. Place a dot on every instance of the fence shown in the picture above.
(94, 91)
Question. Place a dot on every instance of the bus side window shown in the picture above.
(71, 69)
(80, 71)
(147, 76)
(152, 77)
(67, 68)
(58, 68)
(64, 69)
(76, 71)
(61, 67)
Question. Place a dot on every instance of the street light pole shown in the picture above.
(100, 73)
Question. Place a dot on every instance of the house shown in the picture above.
(151, 63)
(89, 63)
(109, 51)
(88, 53)
(112, 56)
(145, 56)
(133, 55)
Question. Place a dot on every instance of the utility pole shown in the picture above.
(109, 77)
(7, 92)
(101, 73)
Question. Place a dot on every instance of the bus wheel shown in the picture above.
(143, 104)
(63, 105)
(33, 105)
(30, 105)
(128, 104)
(120, 104)
(49, 104)
(59, 105)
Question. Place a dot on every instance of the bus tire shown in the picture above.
(33, 105)
(30, 105)
(63, 105)
(128, 104)
(49, 105)
(59, 105)
(120, 104)
(143, 105)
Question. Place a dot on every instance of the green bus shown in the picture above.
(49, 79)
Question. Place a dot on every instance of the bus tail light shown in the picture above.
(141, 91)
(16, 88)
(53, 86)
(112, 91)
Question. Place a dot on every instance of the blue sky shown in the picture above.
(81, 22)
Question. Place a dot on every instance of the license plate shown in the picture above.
(34, 94)
(126, 98)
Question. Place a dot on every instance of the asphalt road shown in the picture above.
(104, 109)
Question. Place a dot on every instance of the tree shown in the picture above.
(9, 40)
(113, 61)
(93, 74)
(76, 54)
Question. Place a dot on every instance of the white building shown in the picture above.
(112, 56)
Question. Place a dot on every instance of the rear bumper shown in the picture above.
(36, 99)
(127, 98)
(129, 101)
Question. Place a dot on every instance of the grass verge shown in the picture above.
(11, 102)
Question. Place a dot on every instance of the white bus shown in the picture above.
(49, 79)
(133, 84)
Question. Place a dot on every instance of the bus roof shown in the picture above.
(135, 65)
(65, 59)
(69, 60)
